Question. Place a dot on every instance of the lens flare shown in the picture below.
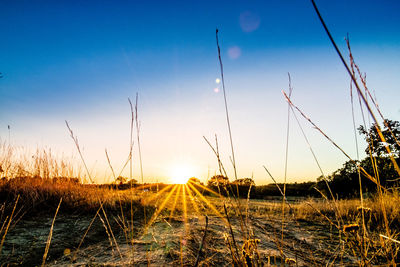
(249, 21)
(234, 52)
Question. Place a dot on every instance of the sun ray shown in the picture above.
(207, 189)
(208, 203)
(191, 197)
(235, 207)
(160, 208)
(184, 206)
(159, 193)
(174, 205)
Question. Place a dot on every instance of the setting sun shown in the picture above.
(180, 174)
(200, 133)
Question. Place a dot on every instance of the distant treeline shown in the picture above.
(305, 189)
(376, 170)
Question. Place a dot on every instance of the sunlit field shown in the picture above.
(56, 211)
(59, 221)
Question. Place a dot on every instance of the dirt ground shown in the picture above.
(169, 242)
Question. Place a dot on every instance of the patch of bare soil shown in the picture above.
(170, 242)
(25, 243)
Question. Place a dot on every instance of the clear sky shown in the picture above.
(80, 61)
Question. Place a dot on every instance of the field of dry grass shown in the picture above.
(49, 217)
(174, 230)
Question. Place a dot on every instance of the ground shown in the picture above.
(174, 241)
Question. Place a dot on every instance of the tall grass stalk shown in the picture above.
(286, 157)
(279, 188)
(138, 137)
(137, 124)
(75, 139)
(46, 251)
(364, 98)
(226, 105)
(337, 214)
(119, 198)
(8, 224)
(364, 230)
(333, 143)
(243, 227)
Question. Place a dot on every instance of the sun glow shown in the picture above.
(183, 197)
(180, 174)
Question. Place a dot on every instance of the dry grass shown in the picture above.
(36, 192)
(42, 179)
(35, 183)
(349, 210)
(20, 162)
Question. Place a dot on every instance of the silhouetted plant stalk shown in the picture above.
(243, 227)
(354, 67)
(286, 157)
(119, 198)
(87, 231)
(222, 171)
(330, 140)
(138, 136)
(226, 104)
(75, 139)
(137, 123)
(337, 211)
(364, 248)
(376, 124)
(279, 188)
(363, 97)
(131, 174)
(215, 150)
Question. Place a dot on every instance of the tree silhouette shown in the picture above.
(391, 133)
(345, 183)
(218, 180)
(121, 180)
(244, 182)
(132, 181)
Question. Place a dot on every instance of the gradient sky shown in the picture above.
(80, 61)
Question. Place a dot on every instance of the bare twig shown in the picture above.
(202, 243)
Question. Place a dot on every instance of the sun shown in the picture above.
(180, 174)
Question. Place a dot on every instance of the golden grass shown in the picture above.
(36, 192)
(43, 180)
(350, 209)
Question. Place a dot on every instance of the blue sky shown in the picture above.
(74, 61)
